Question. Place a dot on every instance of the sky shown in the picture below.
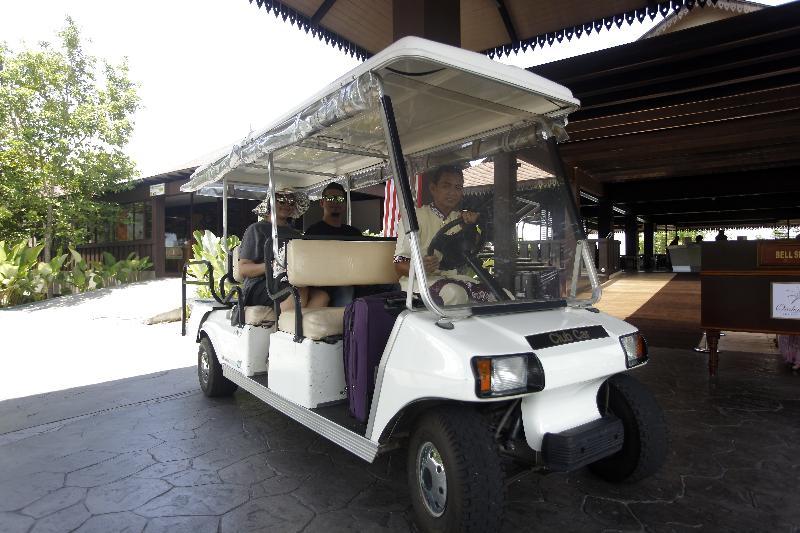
(209, 71)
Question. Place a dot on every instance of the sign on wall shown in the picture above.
(779, 254)
(786, 300)
(158, 189)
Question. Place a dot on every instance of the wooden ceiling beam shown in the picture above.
(686, 108)
(716, 204)
(712, 115)
(631, 95)
(765, 128)
(321, 11)
(509, 25)
(654, 165)
(763, 216)
(708, 63)
(690, 94)
(775, 181)
(755, 28)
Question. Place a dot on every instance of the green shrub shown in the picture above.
(23, 278)
(209, 247)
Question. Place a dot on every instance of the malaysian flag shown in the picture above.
(391, 207)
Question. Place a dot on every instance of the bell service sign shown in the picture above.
(786, 300)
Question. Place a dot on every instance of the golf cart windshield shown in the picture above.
(414, 108)
(525, 248)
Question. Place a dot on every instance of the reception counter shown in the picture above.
(685, 258)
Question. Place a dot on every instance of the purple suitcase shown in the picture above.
(367, 326)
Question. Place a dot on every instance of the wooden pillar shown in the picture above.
(190, 239)
(605, 219)
(157, 207)
(649, 229)
(607, 262)
(504, 238)
(437, 20)
(218, 229)
(631, 239)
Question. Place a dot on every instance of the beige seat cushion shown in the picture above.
(318, 323)
(324, 263)
(258, 314)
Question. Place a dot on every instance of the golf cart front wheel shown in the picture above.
(209, 372)
(454, 473)
(644, 449)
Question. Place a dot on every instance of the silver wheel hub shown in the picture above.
(432, 479)
(204, 367)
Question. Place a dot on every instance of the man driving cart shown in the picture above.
(447, 286)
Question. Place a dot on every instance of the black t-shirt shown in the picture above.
(323, 228)
(253, 241)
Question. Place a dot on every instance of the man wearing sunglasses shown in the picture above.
(334, 211)
(251, 253)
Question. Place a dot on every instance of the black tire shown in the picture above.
(644, 449)
(455, 441)
(209, 372)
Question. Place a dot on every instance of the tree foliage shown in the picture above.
(64, 120)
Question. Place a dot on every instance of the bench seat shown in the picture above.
(318, 323)
(255, 315)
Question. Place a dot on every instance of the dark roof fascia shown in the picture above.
(166, 177)
(665, 48)
(651, 10)
(319, 31)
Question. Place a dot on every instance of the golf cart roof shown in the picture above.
(441, 95)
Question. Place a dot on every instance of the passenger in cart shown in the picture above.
(334, 211)
(251, 253)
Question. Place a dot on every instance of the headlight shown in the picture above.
(635, 348)
(504, 375)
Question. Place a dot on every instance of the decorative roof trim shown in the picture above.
(652, 10)
(304, 23)
(734, 6)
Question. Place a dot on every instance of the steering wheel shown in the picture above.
(456, 248)
(462, 247)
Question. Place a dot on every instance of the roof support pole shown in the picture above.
(157, 210)
(649, 228)
(605, 219)
(607, 249)
(631, 240)
(225, 218)
(437, 20)
(504, 238)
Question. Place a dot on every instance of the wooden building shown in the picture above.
(157, 220)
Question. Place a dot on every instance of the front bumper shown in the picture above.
(582, 445)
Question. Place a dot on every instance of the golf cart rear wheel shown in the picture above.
(209, 372)
(454, 472)
(644, 449)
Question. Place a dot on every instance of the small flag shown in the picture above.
(391, 207)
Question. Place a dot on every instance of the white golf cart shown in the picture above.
(531, 374)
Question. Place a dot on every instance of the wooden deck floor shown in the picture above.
(665, 307)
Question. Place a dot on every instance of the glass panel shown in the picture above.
(133, 222)
(523, 248)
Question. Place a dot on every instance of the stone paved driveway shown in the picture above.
(161, 457)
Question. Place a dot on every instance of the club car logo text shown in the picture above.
(565, 336)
